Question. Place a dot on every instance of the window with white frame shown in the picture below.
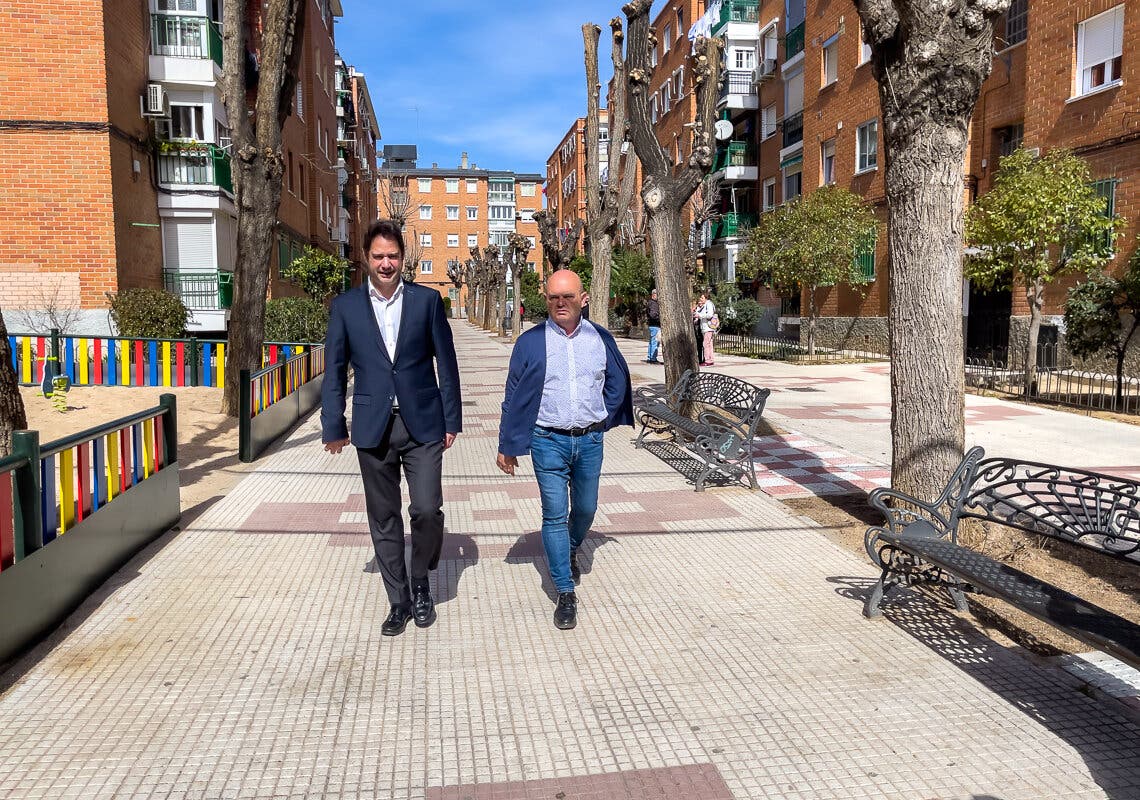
(425, 212)
(425, 266)
(743, 58)
(768, 121)
(653, 108)
(666, 97)
(793, 180)
(1016, 22)
(452, 185)
(425, 240)
(472, 240)
(769, 197)
(653, 56)
(667, 39)
(526, 189)
(452, 212)
(453, 240)
(186, 122)
(830, 61)
(502, 213)
(827, 162)
(472, 212)
(770, 42)
(526, 214)
(867, 146)
(177, 5)
(299, 104)
(1100, 41)
(472, 186)
(679, 83)
(424, 184)
(532, 242)
(864, 48)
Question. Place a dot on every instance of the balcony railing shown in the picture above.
(200, 291)
(185, 37)
(793, 126)
(735, 155)
(733, 224)
(506, 198)
(737, 11)
(199, 166)
(794, 41)
(737, 81)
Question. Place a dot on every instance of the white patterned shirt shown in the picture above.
(573, 392)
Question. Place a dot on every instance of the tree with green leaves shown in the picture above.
(319, 274)
(1041, 220)
(632, 276)
(1103, 313)
(811, 242)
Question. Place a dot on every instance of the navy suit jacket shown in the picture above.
(424, 345)
(525, 379)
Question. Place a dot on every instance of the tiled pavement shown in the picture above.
(720, 653)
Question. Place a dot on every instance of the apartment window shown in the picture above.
(1100, 41)
(793, 181)
(472, 212)
(770, 42)
(1009, 138)
(653, 57)
(502, 213)
(452, 185)
(292, 183)
(531, 241)
(827, 162)
(533, 267)
(301, 183)
(867, 146)
(425, 240)
(653, 108)
(768, 121)
(299, 105)
(424, 184)
(667, 39)
(321, 203)
(177, 5)
(1016, 22)
(425, 266)
(472, 186)
(831, 60)
(864, 48)
(865, 256)
(769, 198)
(472, 240)
(679, 83)
(1106, 189)
(425, 212)
(680, 21)
(527, 189)
(186, 123)
(526, 215)
(453, 212)
(743, 58)
(453, 240)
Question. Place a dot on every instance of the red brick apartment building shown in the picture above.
(115, 166)
(804, 109)
(453, 210)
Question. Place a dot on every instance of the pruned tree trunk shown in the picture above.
(1035, 297)
(605, 205)
(12, 415)
(516, 258)
(667, 186)
(812, 314)
(929, 60)
(558, 252)
(257, 167)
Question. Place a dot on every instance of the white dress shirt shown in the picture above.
(573, 394)
(387, 313)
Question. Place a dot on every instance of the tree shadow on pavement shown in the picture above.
(528, 549)
(1099, 732)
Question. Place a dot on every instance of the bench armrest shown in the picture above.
(906, 509)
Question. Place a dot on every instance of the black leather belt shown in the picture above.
(595, 428)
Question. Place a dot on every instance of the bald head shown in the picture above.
(563, 280)
(564, 299)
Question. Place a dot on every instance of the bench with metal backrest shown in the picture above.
(712, 415)
(919, 544)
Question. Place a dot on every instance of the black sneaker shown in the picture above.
(575, 570)
(566, 612)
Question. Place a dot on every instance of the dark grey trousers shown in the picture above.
(380, 469)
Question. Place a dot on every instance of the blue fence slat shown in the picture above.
(152, 350)
(99, 468)
(112, 363)
(69, 358)
(48, 511)
(207, 372)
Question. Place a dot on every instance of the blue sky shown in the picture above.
(500, 79)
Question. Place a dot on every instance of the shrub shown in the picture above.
(295, 319)
(148, 313)
(746, 314)
(447, 306)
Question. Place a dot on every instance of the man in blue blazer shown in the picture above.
(395, 336)
(567, 384)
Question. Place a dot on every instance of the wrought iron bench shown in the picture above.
(727, 411)
(919, 542)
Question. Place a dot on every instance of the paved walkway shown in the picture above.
(720, 653)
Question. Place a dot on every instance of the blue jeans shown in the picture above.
(568, 469)
(654, 334)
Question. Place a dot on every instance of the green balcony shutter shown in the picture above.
(865, 256)
(1106, 190)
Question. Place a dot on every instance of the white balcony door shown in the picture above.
(188, 244)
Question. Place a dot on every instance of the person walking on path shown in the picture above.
(396, 337)
(703, 314)
(653, 320)
(567, 384)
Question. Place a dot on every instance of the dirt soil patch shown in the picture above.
(208, 465)
(1102, 580)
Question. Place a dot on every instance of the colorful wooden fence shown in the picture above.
(74, 510)
(124, 361)
(276, 396)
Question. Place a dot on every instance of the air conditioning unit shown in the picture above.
(764, 71)
(155, 103)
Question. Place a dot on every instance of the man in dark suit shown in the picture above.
(396, 337)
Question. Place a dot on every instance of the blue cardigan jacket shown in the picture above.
(526, 376)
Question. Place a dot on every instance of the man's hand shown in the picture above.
(449, 440)
(337, 446)
(507, 463)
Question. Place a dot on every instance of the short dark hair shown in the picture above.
(388, 229)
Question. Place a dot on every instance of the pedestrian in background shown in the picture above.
(703, 314)
(653, 320)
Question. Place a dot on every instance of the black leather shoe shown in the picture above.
(423, 607)
(575, 570)
(566, 612)
(397, 621)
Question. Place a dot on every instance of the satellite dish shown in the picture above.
(722, 130)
